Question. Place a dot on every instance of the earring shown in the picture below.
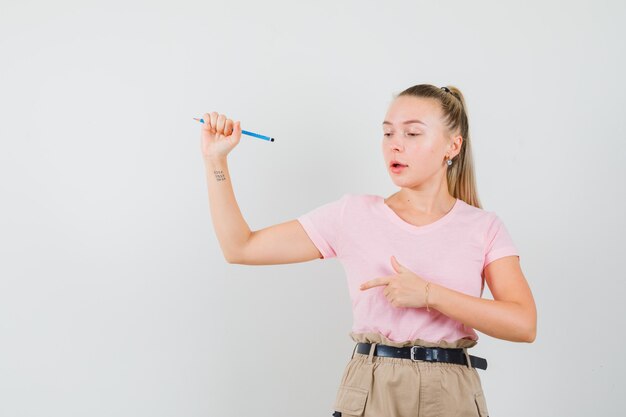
(449, 161)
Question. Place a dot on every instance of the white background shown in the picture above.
(115, 298)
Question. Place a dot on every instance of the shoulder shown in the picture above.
(476, 216)
(363, 202)
(490, 225)
(359, 199)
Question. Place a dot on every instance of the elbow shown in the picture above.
(235, 255)
(531, 334)
(231, 259)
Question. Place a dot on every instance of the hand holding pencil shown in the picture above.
(219, 135)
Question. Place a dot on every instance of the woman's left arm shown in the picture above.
(511, 315)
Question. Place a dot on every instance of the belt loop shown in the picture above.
(354, 350)
(370, 356)
(469, 362)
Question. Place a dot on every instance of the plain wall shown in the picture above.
(115, 298)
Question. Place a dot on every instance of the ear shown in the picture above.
(454, 148)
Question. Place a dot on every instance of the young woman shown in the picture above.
(416, 262)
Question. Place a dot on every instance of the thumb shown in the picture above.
(237, 131)
(396, 265)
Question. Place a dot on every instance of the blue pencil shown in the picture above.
(245, 132)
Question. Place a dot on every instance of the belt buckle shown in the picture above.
(431, 354)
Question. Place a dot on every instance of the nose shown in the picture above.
(395, 144)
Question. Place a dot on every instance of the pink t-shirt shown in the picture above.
(363, 232)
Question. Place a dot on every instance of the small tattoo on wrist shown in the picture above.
(219, 175)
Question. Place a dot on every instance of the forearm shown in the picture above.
(500, 319)
(230, 227)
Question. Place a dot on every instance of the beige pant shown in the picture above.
(380, 386)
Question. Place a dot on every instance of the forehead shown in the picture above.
(405, 108)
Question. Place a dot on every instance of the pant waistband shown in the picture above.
(431, 354)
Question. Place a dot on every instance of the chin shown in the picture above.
(401, 182)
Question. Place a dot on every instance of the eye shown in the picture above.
(410, 134)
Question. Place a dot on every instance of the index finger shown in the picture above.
(374, 283)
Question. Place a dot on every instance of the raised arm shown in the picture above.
(282, 243)
(279, 244)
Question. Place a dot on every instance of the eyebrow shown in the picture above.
(406, 122)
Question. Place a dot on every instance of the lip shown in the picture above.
(397, 170)
(396, 162)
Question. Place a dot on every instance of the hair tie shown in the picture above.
(446, 89)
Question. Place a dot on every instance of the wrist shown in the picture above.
(215, 161)
(433, 292)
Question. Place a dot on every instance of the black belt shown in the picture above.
(432, 354)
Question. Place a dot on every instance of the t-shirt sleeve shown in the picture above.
(323, 225)
(498, 242)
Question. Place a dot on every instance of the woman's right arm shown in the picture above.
(279, 244)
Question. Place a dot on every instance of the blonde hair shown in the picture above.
(460, 175)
